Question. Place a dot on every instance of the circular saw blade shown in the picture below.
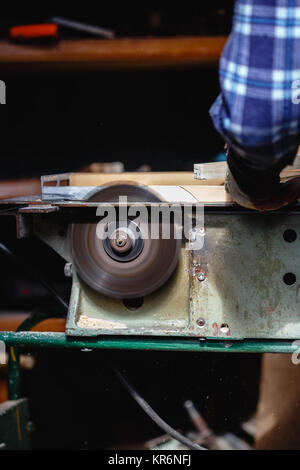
(122, 280)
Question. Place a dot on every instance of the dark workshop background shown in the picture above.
(59, 121)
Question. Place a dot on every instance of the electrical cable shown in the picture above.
(154, 416)
(5, 250)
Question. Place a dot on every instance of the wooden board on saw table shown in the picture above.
(164, 178)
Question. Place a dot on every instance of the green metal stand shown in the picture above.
(13, 373)
(60, 340)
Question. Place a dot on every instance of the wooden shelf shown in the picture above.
(94, 54)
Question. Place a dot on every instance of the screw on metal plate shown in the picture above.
(192, 236)
(200, 322)
(30, 427)
(224, 328)
(201, 276)
(195, 233)
(68, 269)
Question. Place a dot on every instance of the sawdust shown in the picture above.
(87, 322)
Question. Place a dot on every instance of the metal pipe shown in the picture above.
(60, 340)
(86, 28)
(13, 373)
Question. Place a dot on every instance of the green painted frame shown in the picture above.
(61, 340)
(14, 340)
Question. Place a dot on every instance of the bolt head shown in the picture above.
(200, 322)
(201, 276)
(120, 241)
(192, 236)
(68, 270)
(30, 427)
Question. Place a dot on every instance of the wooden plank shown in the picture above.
(289, 173)
(10, 322)
(208, 171)
(147, 178)
(152, 178)
(117, 53)
(18, 188)
(209, 194)
(278, 416)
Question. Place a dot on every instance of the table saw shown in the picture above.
(236, 290)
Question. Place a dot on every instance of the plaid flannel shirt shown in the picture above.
(257, 111)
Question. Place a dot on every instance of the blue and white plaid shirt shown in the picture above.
(257, 111)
